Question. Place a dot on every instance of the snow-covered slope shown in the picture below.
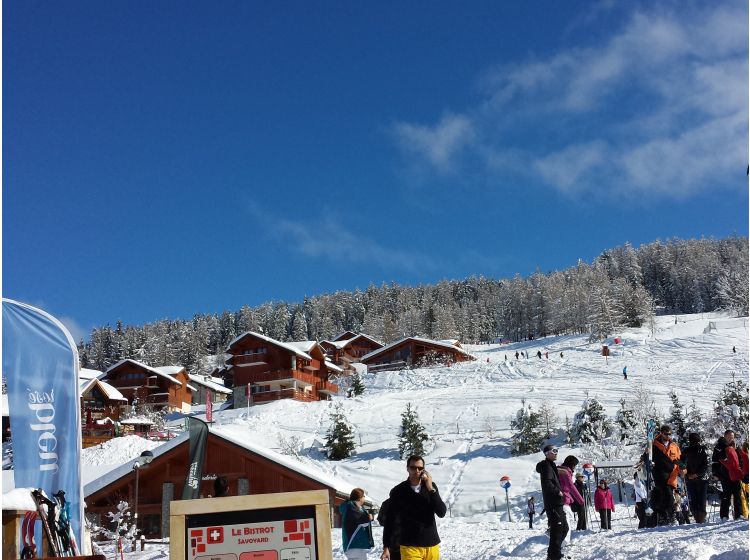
(467, 408)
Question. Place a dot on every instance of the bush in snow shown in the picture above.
(590, 424)
(529, 435)
(340, 441)
(625, 423)
(412, 437)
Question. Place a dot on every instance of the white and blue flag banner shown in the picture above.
(40, 366)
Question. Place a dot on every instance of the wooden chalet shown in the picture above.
(346, 351)
(100, 409)
(414, 352)
(277, 370)
(165, 387)
(204, 383)
(346, 335)
(250, 469)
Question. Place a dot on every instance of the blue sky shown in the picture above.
(162, 159)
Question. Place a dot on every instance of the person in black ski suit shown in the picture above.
(697, 473)
(581, 511)
(394, 530)
(552, 495)
(414, 504)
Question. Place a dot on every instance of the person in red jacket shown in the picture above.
(604, 504)
(731, 462)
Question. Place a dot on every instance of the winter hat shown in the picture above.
(694, 438)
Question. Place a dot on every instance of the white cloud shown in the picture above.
(329, 240)
(659, 108)
(438, 145)
(75, 329)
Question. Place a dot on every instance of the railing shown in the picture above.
(268, 396)
(327, 386)
(280, 375)
(241, 359)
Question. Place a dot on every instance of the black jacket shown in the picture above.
(551, 490)
(719, 454)
(414, 513)
(696, 461)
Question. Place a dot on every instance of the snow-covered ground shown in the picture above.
(467, 408)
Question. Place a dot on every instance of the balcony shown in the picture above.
(269, 396)
(249, 360)
(327, 388)
(279, 377)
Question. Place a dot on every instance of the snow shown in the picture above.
(443, 343)
(216, 384)
(466, 408)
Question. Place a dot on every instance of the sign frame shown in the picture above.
(179, 510)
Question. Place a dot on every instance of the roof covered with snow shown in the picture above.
(213, 383)
(111, 393)
(167, 372)
(285, 345)
(443, 344)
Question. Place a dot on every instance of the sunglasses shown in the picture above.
(552, 451)
(414, 468)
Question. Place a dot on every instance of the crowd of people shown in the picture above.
(670, 486)
(674, 488)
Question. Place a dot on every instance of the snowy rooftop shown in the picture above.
(213, 383)
(166, 372)
(284, 345)
(443, 344)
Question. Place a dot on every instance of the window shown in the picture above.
(252, 351)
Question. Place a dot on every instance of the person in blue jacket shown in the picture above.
(356, 526)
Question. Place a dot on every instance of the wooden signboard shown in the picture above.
(286, 526)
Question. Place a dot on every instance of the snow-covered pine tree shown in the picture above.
(590, 424)
(358, 387)
(412, 437)
(529, 431)
(731, 410)
(340, 438)
(626, 424)
(694, 421)
(548, 418)
(676, 419)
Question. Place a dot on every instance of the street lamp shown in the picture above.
(140, 463)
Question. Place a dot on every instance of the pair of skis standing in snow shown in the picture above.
(55, 518)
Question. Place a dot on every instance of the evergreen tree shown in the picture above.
(677, 419)
(626, 424)
(590, 424)
(548, 418)
(340, 440)
(731, 410)
(357, 386)
(694, 421)
(412, 437)
(529, 429)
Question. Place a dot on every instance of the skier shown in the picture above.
(697, 473)
(539, 354)
(561, 354)
(571, 495)
(531, 510)
(731, 463)
(730, 489)
(553, 501)
(665, 471)
(581, 510)
(604, 504)
(625, 372)
(516, 354)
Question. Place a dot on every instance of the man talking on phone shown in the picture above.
(414, 504)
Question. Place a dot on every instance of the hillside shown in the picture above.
(460, 405)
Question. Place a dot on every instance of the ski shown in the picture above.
(27, 535)
(45, 509)
(650, 434)
(63, 528)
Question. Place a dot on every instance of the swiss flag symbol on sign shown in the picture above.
(215, 535)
